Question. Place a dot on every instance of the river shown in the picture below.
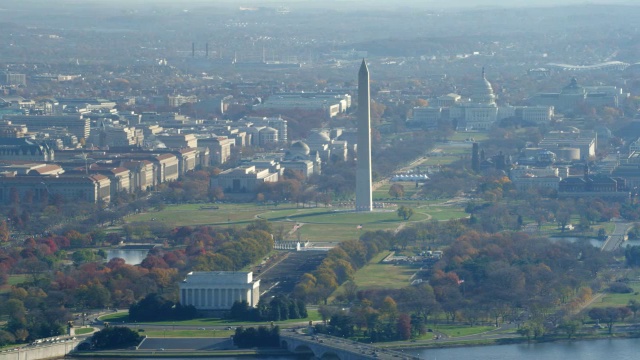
(618, 349)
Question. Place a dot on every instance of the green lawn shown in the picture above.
(82, 331)
(13, 280)
(17, 279)
(376, 275)
(445, 212)
(441, 160)
(320, 223)
(325, 224)
(194, 214)
(169, 333)
(617, 300)
(463, 135)
(456, 330)
(382, 192)
(334, 232)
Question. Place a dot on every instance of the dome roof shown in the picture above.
(269, 130)
(573, 87)
(482, 91)
(299, 147)
(318, 137)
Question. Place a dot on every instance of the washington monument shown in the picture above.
(363, 170)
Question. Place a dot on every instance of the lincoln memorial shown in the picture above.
(218, 290)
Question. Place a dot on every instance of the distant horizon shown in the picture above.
(435, 4)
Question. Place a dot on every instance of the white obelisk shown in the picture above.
(364, 200)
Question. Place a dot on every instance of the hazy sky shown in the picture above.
(330, 3)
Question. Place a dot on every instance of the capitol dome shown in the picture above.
(573, 87)
(299, 148)
(318, 137)
(269, 130)
(482, 91)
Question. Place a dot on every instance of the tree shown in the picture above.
(4, 231)
(83, 256)
(326, 312)
(632, 255)
(154, 307)
(531, 329)
(216, 193)
(350, 289)
(396, 190)
(342, 325)
(405, 212)
(609, 315)
(563, 216)
(260, 337)
(602, 234)
(6, 338)
(404, 327)
(634, 306)
(570, 327)
(115, 337)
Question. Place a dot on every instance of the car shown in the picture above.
(202, 329)
(228, 328)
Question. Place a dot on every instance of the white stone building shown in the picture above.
(479, 111)
(218, 290)
(243, 179)
(331, 103)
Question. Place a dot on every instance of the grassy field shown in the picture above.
(13, 280)
(376, 275)
(445, 212)
(195, 214)
(618, 300)
(82, 331)
(17, 279)
(440, 160)
(457, 330)
(382, 192)
(320, 223)
(169, 333)
(553, 230)
(463, 135)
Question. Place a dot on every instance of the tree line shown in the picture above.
(340, 265)
(260, 337)
(41, 305)
(276, 309)
(156, 308)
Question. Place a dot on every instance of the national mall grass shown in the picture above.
(376, 275)
(320, 223)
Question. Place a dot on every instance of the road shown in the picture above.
(618, 236)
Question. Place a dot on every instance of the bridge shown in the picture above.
(331, 347)
(618, 236)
